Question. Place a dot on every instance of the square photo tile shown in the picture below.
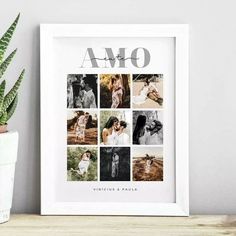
(82, 127)
(115, 127)
(147, 163)
(147, 91)
(115, 164)
(82, 91)
(115, 91)
(148, 127)
(81, 163)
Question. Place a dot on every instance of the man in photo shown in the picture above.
(82, 127)
(114, 164)
(148, 129)
(122, 138)
(81, 163)
(114, 91)
(147, 164)
(154, 136)
(89, 97)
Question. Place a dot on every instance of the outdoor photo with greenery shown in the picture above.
(80, 166)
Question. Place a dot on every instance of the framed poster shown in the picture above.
(114, 120)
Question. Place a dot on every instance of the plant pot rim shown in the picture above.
(3, 129)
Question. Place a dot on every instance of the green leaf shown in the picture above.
(12, 93)
(11, 109)
(2, 90)
(3, 118)
(6, 38)
(6, 63)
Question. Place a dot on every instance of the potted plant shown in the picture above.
(8, 139)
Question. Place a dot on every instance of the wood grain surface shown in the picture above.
(25, 225)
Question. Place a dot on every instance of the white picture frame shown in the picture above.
(180, 207)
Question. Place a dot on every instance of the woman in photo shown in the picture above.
(84, 163)
(141, 98)
(147, 134)
(81, 163)
(80, 98)
(154, 94)
(139, 130)
(148, 164)
(80, 127)
(149, 90)
(82, 91)
(115, 165)
(117, 91)
(109, 131)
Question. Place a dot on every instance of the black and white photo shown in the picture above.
(147, 127)
(82, 91)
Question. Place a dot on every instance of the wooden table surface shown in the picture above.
(26, 225)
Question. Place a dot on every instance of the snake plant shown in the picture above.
(8, 101)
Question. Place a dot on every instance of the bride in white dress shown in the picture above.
(84, 163)
(140, 99)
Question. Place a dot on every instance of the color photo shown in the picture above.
(115, 91)
(147, 164)
(82, 127)
(147, 91)
(115, 127)
(81, 164)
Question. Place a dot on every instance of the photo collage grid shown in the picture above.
(115, 127)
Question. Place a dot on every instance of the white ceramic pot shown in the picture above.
(8, 157)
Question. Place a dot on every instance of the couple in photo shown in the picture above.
(113, 132)
(149, 90)
(114, 91)
(147, 134)
(80, 92)
(80, 127)
(84, 163)
(115, 163)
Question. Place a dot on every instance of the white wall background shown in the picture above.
(212, 87)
